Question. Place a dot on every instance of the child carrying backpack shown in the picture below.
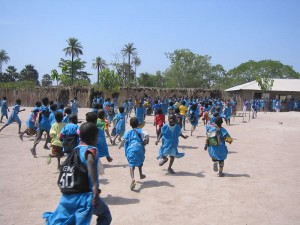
(217, 136)
(78, 182)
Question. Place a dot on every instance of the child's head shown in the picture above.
(45, 101)
(218, 121)
(89, 133)
(159, 111)
(53, 107)
(121, 109)
(4, 98)
(101, 114)
(171, 103)
(172, 120)
(134, 122)
(96, 106)
(62, 106)
(68, 111)
(91, 117)
(58, 117)
(38, 104)
(18, 101)
(183, 103)
(73, 119)
(194, 107)
(177, 110)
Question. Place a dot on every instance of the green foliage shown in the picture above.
(55, 76)
(18, 85)
(80, 77)
(29, 73)
(150, 80)
(109, 80)
(189, 70)
(252, 70)
(4, 58)
(99, 64)
(46, 80)
(265, 84)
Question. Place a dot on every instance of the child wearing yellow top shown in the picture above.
(182, 111)
(56, 144)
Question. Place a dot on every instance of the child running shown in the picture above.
(119, 119)
(134, 141)
(215, 143)
(14, 116)
(4, 108)
(69, 135)
(56, 144)
(170, 134)
(159, 121)
(80, 199)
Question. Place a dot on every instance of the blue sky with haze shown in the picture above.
(230, 31)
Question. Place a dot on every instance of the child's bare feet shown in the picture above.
(109, 159)
(142, 176)
(171, 171)
(163, 161)
(132, 185)
(221, 174)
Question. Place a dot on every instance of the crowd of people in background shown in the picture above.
(172, 116)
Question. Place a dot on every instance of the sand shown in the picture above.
(261, 183)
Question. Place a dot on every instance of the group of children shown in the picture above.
(89, 140)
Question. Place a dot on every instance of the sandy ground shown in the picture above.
(261, 183)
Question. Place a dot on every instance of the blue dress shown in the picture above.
(3, 108)
(219, 152)
(140, 114)
(170, 142)
(44, 123)
(14, 115)
(120, 125)
(196, 113)
(134, 149)
(101, 144)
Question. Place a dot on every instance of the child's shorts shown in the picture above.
(57, 150)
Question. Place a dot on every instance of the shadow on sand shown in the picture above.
(152, 183)
(104, 181)
(232, 152)
(236, 175)
(106, 166)
(186, 174)
(187, 147)
(114, 200)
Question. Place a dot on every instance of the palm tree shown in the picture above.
(55, 76)
(74, 50)
(4, 58)
(99, 64)
(12, 73)
(129, 50)
(136, 62)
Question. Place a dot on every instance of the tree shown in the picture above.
(129, 50)
(12, 73)
(55, 76)
(99, 64)
(46, 80)
(150, 80)
(136, 62)
(109, 80)
(252, 70)
(29, 74)
(80, 77)
(74, 49)
(189, 70)
(4, 58)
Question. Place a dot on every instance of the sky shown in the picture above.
(230, 31)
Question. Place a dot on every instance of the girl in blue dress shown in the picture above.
(14, 116)
(119, 120)
(215, 143)
(170, 134)
(4, 108)
(193, 117)
(133, 142)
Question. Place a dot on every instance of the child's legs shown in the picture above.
(102, 211)
(131, 169)
(37, 138)
(171, 162)
(221, 165)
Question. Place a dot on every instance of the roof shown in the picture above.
(292, 85)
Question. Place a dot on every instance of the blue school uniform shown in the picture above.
(44, 123)
(140, 114)
(218, 152)
(30, 122)
(14, 117)
(3, 108)
(70, 129)
(120, 123)
(52, 118)
(196, 115)
(101, 144)
(78, 208)
(74, 107)
(134, 149)
(227, 112)
(170, 136)
(66, 118)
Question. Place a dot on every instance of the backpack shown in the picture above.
(70, 142)
(73, 175)
(213, 137)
